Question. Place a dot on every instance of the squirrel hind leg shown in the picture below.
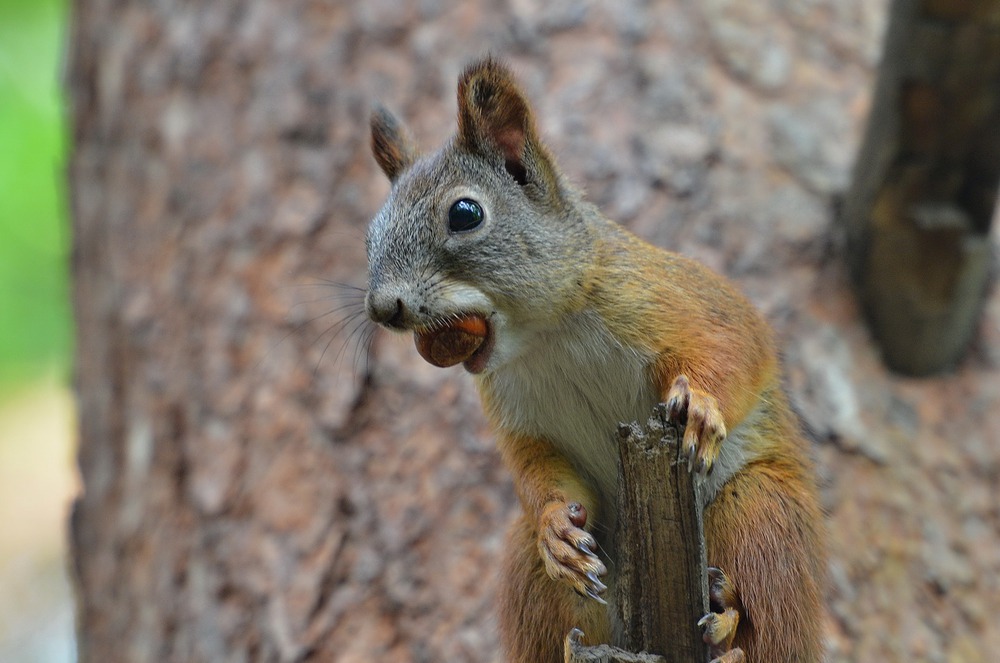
(762, 529)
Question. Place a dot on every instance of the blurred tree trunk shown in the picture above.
(246, 496)
(925, 184)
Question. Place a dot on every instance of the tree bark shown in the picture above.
(257, 486)
(925, 184)
(662, 587)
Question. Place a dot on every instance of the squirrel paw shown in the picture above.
(719, 628)
(704, 429)
(568, 550)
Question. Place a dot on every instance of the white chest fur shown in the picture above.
(572, 386)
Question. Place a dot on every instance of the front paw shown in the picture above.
(704, 429)
(568, 550)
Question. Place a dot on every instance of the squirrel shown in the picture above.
(570, 324)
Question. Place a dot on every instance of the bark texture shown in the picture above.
(252, 489)
(662, 587)
(252, 493)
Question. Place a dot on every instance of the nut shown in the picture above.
(452, 343)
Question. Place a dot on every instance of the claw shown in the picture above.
(678, 404)
(568, 551)
(699, 413)
(596, 582)
(700, 466)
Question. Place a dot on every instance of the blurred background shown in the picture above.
(37, 471)
(278, 506)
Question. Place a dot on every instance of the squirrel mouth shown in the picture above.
(466, 340)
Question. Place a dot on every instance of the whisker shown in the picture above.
(342, 352)
(350, 301)
(337, 327)
(343, 294)
(358, 320)
(336, 309)
(294, 330)
(363, 340)
(369, 344)
(339, 284)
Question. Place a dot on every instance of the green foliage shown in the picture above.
(35, 327)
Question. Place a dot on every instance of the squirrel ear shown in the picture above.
(391, 144)
(494, 116)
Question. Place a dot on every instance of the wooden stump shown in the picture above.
(925, 184)
(661, 590)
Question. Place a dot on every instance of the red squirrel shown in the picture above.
(570, 324)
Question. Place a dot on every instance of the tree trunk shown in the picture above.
(256, 487)
(253, 493)
(925, 185)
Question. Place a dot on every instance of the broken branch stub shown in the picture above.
(661, 591)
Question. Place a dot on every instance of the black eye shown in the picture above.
(464, 215)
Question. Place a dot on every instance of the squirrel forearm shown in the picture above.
(542, 475)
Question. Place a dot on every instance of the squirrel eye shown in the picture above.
(464, 215)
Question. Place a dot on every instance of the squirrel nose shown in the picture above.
(386, 310)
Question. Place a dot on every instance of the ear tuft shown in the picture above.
(391, 143)
(494, 115)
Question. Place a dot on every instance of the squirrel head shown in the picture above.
(484, 228)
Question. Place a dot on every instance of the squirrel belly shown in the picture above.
(570, 386)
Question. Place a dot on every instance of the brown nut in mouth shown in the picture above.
(453, 342)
